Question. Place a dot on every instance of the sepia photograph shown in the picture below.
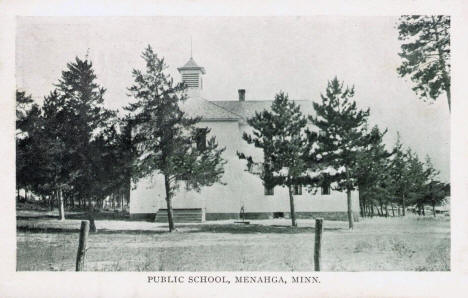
(233, 143)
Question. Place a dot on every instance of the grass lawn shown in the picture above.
(378, 244)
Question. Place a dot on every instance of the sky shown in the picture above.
(260, 54)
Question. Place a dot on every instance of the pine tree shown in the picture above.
(282, 135)
(164, 135)
(435, 191)
(408, 177)
(342, 135)
(85, 119)
(426, 54)
(56, 153)
(398, 174)
(28, 128)
(372, 172)
(415, 180)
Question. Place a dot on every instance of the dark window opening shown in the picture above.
(297, 190)
(278, 214)
(325, 189)
(269, 191)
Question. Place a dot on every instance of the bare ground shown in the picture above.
(378, 244)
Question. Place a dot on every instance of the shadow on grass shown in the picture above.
(253, 229)
(54, 230)
(84, 216)
(182, 229)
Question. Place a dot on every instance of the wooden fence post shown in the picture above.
(318, 243)
(80, 257)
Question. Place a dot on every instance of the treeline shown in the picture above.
(72, 150)
(337, 148)
(77, 153)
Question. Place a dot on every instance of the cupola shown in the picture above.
(192, 74)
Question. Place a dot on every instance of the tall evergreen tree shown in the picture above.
(342, 135)
(281, 134)
(164, 135)
(28, 128)
(425, 52)
(398, 174)
(55, 139)
(408, 177)
(435, 191)
(85, 120)
(372, 172)
(415, 180)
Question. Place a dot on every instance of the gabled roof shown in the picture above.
(192, 65)
(246, 109)
(209, 111)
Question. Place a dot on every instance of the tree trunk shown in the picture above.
(362, 202)
(393, 210)
(291, 205)
(92, 224)
(403, 207)
(61, 205)
(170, 218)
(350, 210)
(433, 209)
(51, 201)
(448, 99)
(386, 210)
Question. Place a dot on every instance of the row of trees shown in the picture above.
(74, 151)
(336, 147)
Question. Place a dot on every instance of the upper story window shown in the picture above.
(297, 190)
(326, 189)
(269, 191)
(200, 139)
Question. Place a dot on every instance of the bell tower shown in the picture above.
(192, 76)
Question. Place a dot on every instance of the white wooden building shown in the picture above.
(243, 190)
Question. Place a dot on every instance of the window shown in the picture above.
(278, 214)
(297, 190)
(325, 189)
(200, 139)
(269, 191)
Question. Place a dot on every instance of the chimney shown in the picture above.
(241, 94)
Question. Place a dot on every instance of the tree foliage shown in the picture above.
(425, 53)
(342, 135)
(281, 134)
(372, 172)
(165, 135)
(28, 126)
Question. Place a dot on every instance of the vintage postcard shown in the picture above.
(238, 154)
